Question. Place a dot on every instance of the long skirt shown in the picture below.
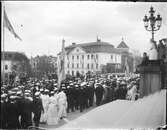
(44, 115)
(52, 117)
(62, 111)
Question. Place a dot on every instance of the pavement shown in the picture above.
(70, 116)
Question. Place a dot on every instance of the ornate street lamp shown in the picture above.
(152, 23)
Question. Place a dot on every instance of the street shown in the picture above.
(70, 116)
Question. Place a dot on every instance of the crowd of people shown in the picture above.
(29, 103)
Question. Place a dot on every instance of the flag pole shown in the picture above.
(3, 42)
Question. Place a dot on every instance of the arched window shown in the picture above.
(92, 66)
(88, 57)
(96, 66)
(6, 67)
(88, 66)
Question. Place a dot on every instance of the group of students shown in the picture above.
(41, 101)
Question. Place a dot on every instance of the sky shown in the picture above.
(42, 25)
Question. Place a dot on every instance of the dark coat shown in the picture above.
(12, 115)
(26, 118)
(3, 117)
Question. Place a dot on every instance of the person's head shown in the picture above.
(37, 94)
(144, 54)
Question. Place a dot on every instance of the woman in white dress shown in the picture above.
(45, 103)
(62, 104)
(52, 115)
(132, 92)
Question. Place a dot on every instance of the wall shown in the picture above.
(8, 63)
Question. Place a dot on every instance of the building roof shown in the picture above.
(122, 45)
(95, 47)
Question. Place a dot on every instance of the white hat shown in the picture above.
(3, 95)
(37, 83)
(55, 89)
(15, 89)
(41, 89)
(55, 84)
(68, 86)
(19, 92)
(104, 86)
(27, 94)
(83, 83)
(12, 97)
(11, 92)
(27, 91)
(46, 90)
(52, 92)
(37, 93)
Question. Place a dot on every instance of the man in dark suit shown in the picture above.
(37, 108)
(12, 113)
(26, 118)
(99, 91)
(3, 117)
(81, 98)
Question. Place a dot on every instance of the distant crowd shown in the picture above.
(31, 102)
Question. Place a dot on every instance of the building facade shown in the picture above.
(13, 63)
(93, 57)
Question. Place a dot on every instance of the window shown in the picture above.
(72, 65)
(96, 56)
(68, 72)
(77, 57)
(5, 56)
(82, 56)
(67, 57)
(111, 57)
(82, 65)
(88, 57)
(92, 66)
(92, 56)
(73, 57)
(72, 73)
(6, 67)
(119, 66)
(77, 65)
(88, 66)
(68, 65)
(10, 56)
(77, 50)
(6, 75)
(96, 66)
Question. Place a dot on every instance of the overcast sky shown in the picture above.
(42, 25)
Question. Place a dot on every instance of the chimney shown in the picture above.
(98, 39)
(73, 43)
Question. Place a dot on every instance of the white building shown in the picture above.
(92, 56)
(12, 62)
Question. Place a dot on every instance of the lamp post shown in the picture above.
(152, 23)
